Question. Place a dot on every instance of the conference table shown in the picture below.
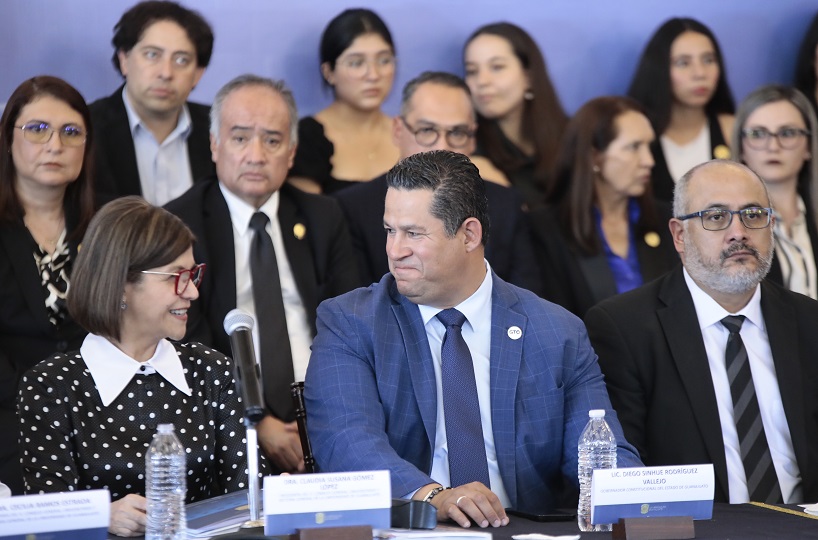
(730, 522)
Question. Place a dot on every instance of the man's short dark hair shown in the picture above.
(128, 31)
(459, 191)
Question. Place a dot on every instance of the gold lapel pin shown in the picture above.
(299, 231)
(721, 152)
(652, 239)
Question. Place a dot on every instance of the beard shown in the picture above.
(739, 278)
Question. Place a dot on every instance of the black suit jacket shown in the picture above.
(508, 249)
(117, 173)
(322, 262)
(651, 350)
(26, 335)
(577, 281)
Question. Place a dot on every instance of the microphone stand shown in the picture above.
(254, 488)
(239, 326)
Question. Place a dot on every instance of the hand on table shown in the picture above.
(128, 516)
(474, 501)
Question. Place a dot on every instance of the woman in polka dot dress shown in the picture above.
(88, 416)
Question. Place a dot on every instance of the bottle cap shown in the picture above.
(595, 413)
(168, 428)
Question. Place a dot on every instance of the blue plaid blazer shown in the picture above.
(371, 399)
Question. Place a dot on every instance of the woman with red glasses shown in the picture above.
(87, 417)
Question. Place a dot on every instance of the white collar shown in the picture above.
(112, 369)
(183, 125)
(241, 212)
(472, 307)
(710, 312)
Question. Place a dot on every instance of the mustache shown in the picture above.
(740, 246)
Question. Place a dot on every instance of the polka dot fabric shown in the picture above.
(70, 441)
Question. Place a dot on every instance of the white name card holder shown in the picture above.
(309, 501)
(73, 515)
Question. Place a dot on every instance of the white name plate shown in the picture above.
(80, 515)
(305, 501)
(673, 490)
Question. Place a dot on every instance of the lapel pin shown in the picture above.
(652, 239)
(721, 152)
(515, 333)
(299, 231)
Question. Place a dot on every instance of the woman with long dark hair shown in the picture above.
(681, 82)
(520, 118)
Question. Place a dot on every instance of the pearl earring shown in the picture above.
(529, 95)
(123, 305)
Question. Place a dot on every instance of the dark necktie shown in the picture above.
(274, 340)
(762, 482)
(464, 431)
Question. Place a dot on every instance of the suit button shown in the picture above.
(62, 346)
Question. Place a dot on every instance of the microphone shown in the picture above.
(239, 326)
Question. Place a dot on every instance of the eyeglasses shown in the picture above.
(457, 137)
(41, 132)
(357, 65)
(718, 219)
(759, 138)
(183, 277)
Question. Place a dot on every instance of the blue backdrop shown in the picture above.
(591, 46)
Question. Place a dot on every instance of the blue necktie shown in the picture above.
(762, 482)
(464, 431)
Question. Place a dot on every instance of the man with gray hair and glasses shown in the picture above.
(270, 249)
(710, 363)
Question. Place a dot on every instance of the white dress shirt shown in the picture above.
(112, 369)
(776, 429)
(476, 332)
(298, 326)
(164, 169)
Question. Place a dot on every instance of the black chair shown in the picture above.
(297, 391)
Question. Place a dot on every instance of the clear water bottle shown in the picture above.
(165, 486)
(597, 450)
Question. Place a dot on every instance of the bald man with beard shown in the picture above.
(674, 351)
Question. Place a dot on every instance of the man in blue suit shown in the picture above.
(376, 387)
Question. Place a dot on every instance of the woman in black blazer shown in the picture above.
(46, 202)
(602, 233)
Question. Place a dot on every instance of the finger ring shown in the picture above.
(457, 502)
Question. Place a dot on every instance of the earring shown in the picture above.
(123, 306)
(596, 169)
(529, 95)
